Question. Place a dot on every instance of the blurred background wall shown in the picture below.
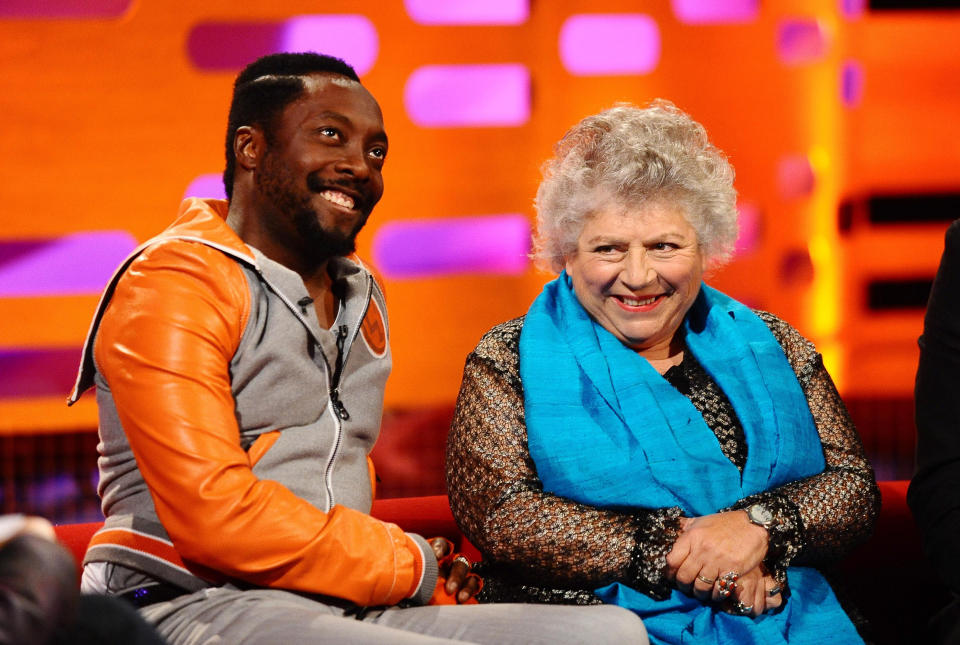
(840, 116)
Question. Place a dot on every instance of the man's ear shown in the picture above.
(249, 145)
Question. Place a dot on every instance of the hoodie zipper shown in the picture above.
(339, 409)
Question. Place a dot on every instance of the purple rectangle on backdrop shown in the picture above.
(63, 8)
(851, 83)
(801, 41)
(209, 185)
(468, 12)
(224, 45)
(494, 244)
(468, 95)
(609, 44)
(699, 12)
(38, 372)
(81, 263)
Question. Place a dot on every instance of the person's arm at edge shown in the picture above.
(934, 493)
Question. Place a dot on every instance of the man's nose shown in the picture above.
(353, 161)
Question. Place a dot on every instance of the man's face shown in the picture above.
(320, 176)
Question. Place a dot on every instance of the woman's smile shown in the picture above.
(637, 272)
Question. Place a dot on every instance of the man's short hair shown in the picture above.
(265, 87)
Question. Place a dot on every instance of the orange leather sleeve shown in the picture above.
(164, 347)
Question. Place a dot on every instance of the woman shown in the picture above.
(642, 439)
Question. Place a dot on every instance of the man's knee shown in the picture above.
(618, 625)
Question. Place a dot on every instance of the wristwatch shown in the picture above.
(760, 515)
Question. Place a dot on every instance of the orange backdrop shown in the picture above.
(106, 121)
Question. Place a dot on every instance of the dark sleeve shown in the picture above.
(824, 516)
(499, 501)
(934, 493)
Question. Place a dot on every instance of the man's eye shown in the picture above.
(329, 132)
(378, 153)
(664, 246)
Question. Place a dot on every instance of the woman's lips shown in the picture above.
(638, 305)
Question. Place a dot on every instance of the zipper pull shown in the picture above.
(338, 405)
(342, 331)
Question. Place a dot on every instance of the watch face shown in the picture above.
(760, 514)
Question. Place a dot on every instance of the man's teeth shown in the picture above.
(634, 302)
(337, 198)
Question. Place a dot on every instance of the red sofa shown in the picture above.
(878, 575)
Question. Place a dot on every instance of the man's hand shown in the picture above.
(460, 583)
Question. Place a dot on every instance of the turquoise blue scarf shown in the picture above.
(605, 429)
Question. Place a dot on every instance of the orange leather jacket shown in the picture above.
(225, 454)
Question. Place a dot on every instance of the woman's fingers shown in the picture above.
(703, 585)
(774, 592)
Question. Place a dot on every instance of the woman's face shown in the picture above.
(637, 272)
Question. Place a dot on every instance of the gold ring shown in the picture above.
(706, 581)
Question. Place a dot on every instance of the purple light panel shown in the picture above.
(795, 177)
(468, 12)
(450, 96)
(705, 12)
(493, 244)
(609, 44)
(63, 8)
(210, 185)
(852, 9)
(81, 263)
(221, 46)
(851, 83)
(801, 41)
(38, 372)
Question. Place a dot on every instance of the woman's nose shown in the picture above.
(637, 271)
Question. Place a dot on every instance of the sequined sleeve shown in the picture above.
(499, 502)
(823, 517)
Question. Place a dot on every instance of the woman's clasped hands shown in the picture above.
(718, 558)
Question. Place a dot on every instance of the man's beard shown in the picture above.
(290, 201)
(324, 244)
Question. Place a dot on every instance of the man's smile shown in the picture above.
(338, 198)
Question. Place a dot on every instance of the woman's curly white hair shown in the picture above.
(626, 156)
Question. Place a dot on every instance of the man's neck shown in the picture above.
(315, 275)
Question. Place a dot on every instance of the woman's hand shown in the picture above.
(460, 583)
(711, 547)
(756, 593)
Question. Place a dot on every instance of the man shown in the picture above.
(239, 360)
(934, 494)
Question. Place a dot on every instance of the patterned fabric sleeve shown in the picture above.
(498, 499)
(821, 518)
(500, 504)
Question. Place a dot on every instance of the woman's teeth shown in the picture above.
(337, 198)
(635, 302)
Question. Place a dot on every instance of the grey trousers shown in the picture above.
(267, 616)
